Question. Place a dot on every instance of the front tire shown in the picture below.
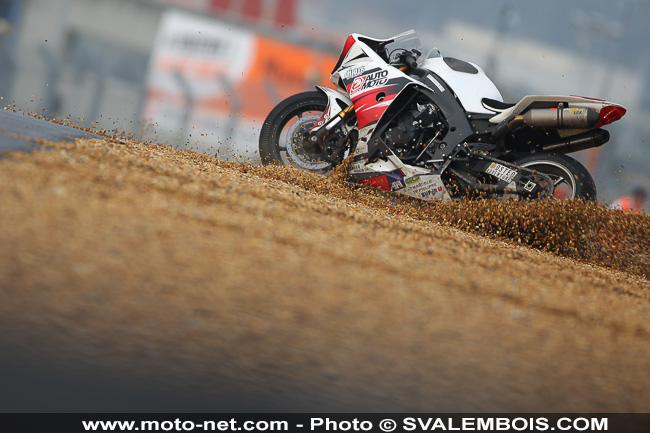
(570, 178)
(283, 138)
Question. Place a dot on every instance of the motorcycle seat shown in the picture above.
(496, 106)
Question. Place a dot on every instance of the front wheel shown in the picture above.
(571, 180)
(284, 138)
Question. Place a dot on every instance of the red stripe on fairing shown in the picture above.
(366, 106)
(348, 44)
(327, 114)
(370, 115)
(377, 182)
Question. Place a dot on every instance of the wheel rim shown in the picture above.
(298, 146)
(564, 184)
(293, 145)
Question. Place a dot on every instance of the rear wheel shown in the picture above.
(284, 136)
(571, 180)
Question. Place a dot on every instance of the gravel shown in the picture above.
(200, 285)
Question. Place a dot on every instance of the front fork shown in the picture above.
(321, 132)
(333, 115)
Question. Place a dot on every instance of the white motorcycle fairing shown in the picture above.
(468, 81)
(336, 101)
(374, 85)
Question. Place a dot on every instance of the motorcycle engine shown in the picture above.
(409, 133)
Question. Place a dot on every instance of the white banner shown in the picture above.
(211, 84)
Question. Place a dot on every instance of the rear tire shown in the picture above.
(570, 178)
(282, 138)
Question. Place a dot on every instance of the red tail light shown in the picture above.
(609, 114)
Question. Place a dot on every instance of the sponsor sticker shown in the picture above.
(436, 82)
(424, 187)
(353, 72)
(368, 81)
(412, 180)
(431, 192)
(357, 85)
(501, 172)
(358, 166)
(397, 185)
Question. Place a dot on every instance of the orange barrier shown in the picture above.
(281, 69)
(208, 68)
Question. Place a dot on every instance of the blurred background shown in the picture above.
(203, 74)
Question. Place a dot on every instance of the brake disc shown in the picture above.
(298, 144)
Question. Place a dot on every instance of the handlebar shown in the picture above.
(410, 61)
(407, 58)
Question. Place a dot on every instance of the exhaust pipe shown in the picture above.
(556, 118)
(579, 142)
(562, 118)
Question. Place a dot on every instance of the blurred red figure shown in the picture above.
(633, 203)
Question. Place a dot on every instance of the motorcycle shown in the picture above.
(435, 128)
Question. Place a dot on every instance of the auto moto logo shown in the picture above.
(369, 81)
(357, 85)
